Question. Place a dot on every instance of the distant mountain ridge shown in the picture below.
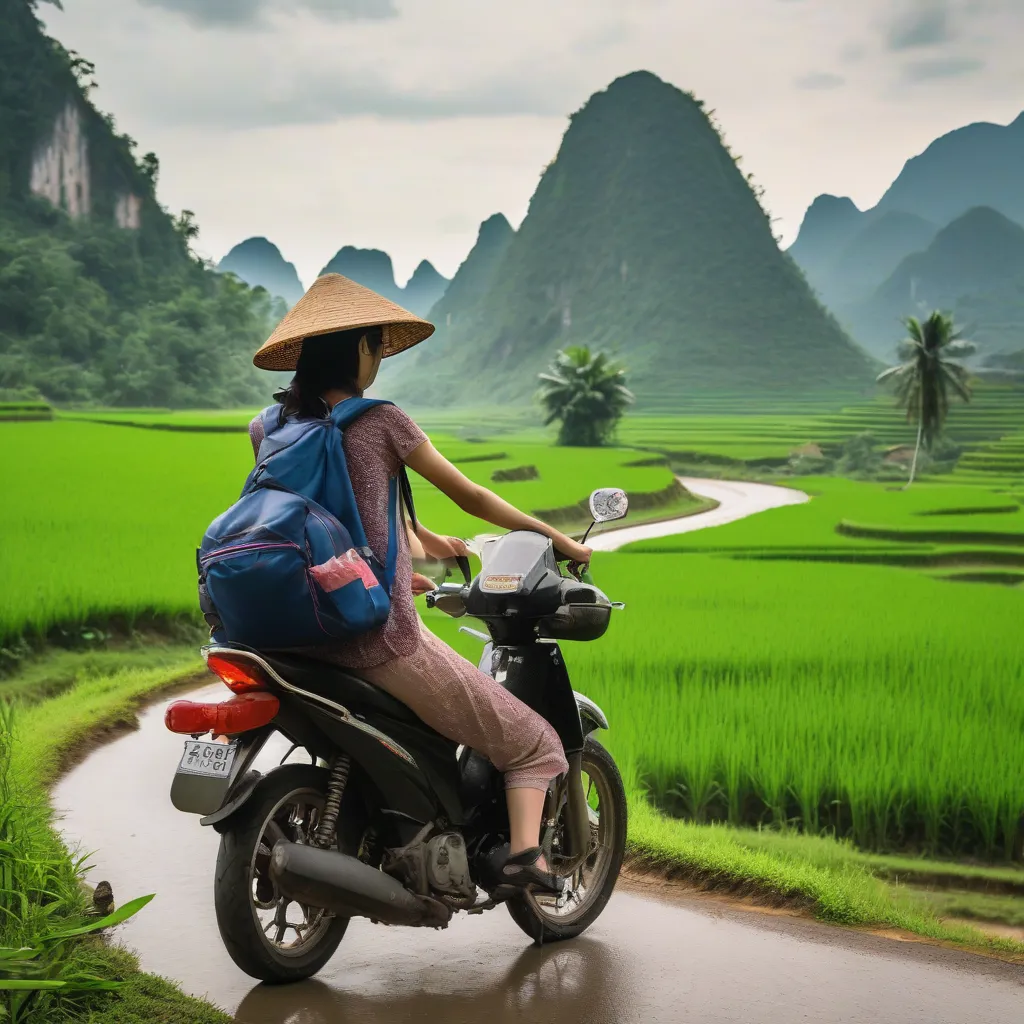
(857, 261)
(643, 239)
(424, 288)
(373, 269)
(973, 269)
(259, 263)
(981, 164)
(459, 301)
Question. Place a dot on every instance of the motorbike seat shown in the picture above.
(339, 685)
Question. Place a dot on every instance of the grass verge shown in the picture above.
(826, 878)
(48, 737)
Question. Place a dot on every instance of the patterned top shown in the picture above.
(375, 446)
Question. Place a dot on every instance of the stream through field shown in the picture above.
(644, 960)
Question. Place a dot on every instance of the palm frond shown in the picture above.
(893, 371)
(960, 378)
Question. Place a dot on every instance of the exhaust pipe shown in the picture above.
(349, 888)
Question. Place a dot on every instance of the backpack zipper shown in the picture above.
(235, 549)
(331, 532)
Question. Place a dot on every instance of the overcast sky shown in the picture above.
(402, 124)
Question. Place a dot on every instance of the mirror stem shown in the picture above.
(587, 534)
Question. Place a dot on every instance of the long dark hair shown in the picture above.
(326, 361)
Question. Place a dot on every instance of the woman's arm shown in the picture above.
(416, 548)
(436, 546)
(478, 501)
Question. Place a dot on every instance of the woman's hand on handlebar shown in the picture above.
(436, 546)
(569, 550)
(422, 585)
(457, 546)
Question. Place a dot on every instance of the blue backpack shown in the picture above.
(288, 564)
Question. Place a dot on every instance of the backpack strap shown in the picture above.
(346, 413)
(270, 419)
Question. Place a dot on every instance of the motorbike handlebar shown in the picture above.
(579, 571)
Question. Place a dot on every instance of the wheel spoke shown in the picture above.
(589, 877)
(281, 920)
(288, 933)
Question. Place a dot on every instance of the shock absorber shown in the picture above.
(328, 825)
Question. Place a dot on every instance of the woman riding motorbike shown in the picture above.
(335, 339)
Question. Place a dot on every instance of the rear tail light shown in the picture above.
(243, 713)
(238, 672)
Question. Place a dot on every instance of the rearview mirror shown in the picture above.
(608, 504)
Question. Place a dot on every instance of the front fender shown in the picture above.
(592, 717)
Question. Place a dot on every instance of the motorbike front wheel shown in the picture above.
(268, 936)
(547, 918)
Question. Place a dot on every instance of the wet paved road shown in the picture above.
(643, 961)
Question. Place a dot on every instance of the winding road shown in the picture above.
(645, 960)
(736, 500)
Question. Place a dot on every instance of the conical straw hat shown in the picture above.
(334, 303)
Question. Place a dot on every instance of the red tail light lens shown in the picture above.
(239, 673)
(243, 713)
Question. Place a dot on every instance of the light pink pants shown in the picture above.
(463, 704)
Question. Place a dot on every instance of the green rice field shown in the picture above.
(812, 668)
(104, 521)
(949, 529)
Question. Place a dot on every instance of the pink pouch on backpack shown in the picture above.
(342, 570)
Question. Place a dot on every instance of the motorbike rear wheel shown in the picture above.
(271, 938)
(550, 919)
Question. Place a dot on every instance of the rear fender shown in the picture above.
(196, 794)
(243, 781)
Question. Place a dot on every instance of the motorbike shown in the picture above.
(390, 820)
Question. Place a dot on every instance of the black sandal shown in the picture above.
(520, 870)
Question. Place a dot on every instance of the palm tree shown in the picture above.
(587, 393)
(924, 379)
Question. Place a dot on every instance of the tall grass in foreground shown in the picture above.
(51, 967)
(45, 971)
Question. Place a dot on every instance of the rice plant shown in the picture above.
(887, 707)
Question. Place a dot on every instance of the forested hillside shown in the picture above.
(101, 300)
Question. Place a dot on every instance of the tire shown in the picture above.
(537, 916)
(236, 889)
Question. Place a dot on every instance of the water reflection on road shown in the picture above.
(580, 982)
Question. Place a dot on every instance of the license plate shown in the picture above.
(210, 760)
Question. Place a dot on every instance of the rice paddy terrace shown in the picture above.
(990, 430)
(811, 667)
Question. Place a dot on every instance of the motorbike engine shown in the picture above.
(437, 867)
(448, 866)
